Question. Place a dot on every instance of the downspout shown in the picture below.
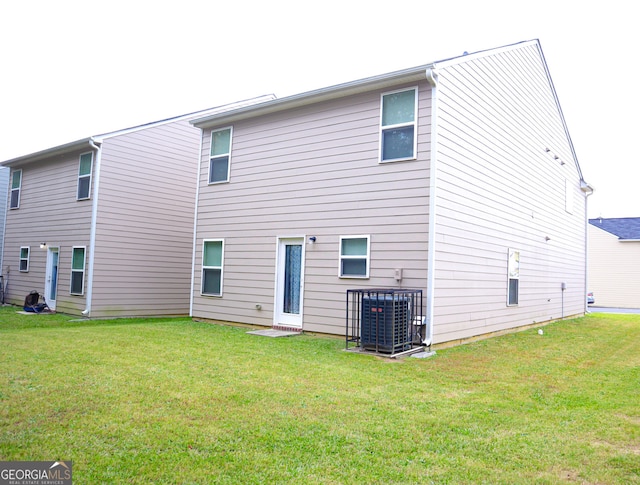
(587, 190)
(4, 221)
(432, 78)
(195, 225)
(92, 235)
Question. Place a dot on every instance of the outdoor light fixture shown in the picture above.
(312, 239)
(43, 245)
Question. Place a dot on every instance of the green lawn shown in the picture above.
(175, 401)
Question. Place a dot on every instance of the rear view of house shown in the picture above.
(614, 261)
(456, 178)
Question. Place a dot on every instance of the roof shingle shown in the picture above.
(623, 227)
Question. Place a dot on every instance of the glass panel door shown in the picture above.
(51, 283)
(289, 282)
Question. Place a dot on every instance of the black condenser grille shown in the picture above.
(385, 321)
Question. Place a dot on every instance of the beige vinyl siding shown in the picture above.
(313, 171)
(498, 189)
(614, 269)
(144, 233)
(49, 212)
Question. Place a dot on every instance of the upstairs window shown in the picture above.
(24, 259)
(513, 285)
(354, 256)
(16, 184)
(212, 267)
(220, 156)
(77, 270)
(84, 175)
(398, 125)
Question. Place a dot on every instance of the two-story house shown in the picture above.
(103, 226)
(458, 178)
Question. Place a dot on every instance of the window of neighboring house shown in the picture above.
(77, 270)
(84, 175)
(212, 256)
(16, 184)
(354, 256)
(398, 125)
(513, 277)
(24, 258)
(220, 157)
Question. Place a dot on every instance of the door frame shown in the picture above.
(49, 274)
(280, 318)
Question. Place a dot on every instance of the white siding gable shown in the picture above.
(501, 186)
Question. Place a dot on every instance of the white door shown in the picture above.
(51, 278)
(289, 282)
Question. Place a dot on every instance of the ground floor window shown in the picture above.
(77, 270)
(513, 286)
(24, 258)
(354, 256)
(212, 257)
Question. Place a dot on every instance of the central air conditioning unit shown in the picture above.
(385, 323)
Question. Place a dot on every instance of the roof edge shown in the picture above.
(51, 152)
(310, 97)
(97, 139)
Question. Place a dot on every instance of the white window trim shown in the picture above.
(228, 154)
(18, 189)
(84, 176)
(400, 125)
(341, 257)
(221, 268)
(28, 248)
(84, 266)
(509, 278)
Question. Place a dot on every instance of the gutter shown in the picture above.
(311, 97)
(95, 145)
(432, 77)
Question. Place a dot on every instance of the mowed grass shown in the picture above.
(176, 401)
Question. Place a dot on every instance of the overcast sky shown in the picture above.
(72, 69)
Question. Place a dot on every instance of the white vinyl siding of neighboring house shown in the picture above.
(614, 269)
(314, 171)
(498, 188)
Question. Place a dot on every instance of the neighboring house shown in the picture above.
(614, 261)
(103, 226)
(458, 178)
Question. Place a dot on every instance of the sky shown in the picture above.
(73, 69)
